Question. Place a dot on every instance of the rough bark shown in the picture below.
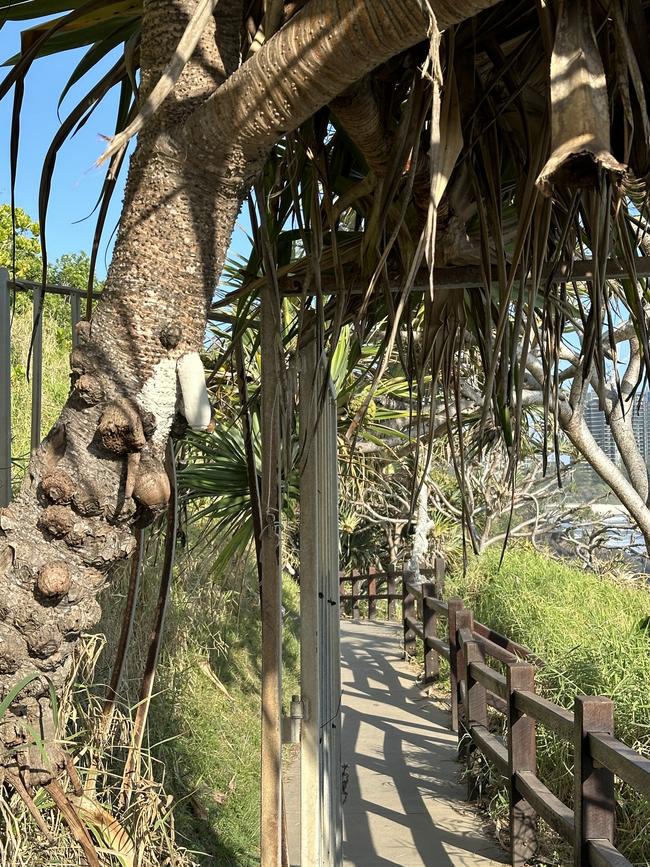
(77, 507)
(422, 526)
(191, 168)
(359, 112)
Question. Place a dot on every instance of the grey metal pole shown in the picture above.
(5, 389)
(310, 626)
(75, 316)
(336, 633)
(37, 367)
(271, 775)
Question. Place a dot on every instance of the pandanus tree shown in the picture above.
(511, 137)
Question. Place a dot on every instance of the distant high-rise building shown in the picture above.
(600, 430)
(597, 424)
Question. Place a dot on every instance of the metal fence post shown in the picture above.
(454, 606)
(522, 752)
(5, 389)
(37, 365)
(430, 630)
(594, 803)
(408, 610)
(75, 316)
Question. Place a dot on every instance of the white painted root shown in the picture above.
(191, 378)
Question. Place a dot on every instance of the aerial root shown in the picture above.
(73, 776)
(73, 821)
(15, 781)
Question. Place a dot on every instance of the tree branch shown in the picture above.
(323, 50)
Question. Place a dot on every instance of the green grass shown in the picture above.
(203, 738)
(57, 344)
(593, 632)
(204, 724)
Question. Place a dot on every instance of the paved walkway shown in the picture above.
(404, 805)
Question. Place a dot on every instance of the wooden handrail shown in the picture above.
(623, 761)
(543, 801)
(476, 687)
(437, 605)
(415, 626)
(501, 641)
(492, 748)
(490, 678)
(551, 715)
(603, 854)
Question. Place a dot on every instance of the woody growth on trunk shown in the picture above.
(99, 473)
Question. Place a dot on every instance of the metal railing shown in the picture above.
(38, 291)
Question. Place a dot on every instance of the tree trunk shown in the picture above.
(619, 412)
(100, 472)
(572, 422)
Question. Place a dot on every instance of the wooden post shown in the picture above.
(464, 620)
(430, 630)
(356, 591)
(439, 568)
(372, 594)
(475, 706)
(271, 771)
(408, 610)
(454, 606)
(594, 804)
(522, 751)
(391, 583)
(37, 365)
(5, 390)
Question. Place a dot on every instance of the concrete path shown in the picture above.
(404, 805)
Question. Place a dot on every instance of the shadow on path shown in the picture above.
(404, 805)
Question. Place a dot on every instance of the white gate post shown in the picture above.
(335, 614)
(320, 755)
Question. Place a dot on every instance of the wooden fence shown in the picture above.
(375, 586)
(476, 686)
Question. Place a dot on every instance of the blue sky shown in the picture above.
(77, 180)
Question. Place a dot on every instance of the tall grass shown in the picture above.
(197, 799)
(57, 343)
(204, 723)
(593, 631)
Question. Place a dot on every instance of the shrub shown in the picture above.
(593, 631)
